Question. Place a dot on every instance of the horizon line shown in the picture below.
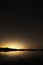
(12, 49)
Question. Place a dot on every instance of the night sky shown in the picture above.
(22, 21)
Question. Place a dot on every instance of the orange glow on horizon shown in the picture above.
(15, 45)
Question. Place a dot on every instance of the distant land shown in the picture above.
(11, 49)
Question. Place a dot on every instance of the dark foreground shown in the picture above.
(35, 59)
(31, 61)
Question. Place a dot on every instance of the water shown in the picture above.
(14, 58)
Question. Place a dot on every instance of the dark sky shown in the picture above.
(21, 20)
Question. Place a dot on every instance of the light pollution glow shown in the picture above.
(15, 45)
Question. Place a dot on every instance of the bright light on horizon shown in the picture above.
(15, 45)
